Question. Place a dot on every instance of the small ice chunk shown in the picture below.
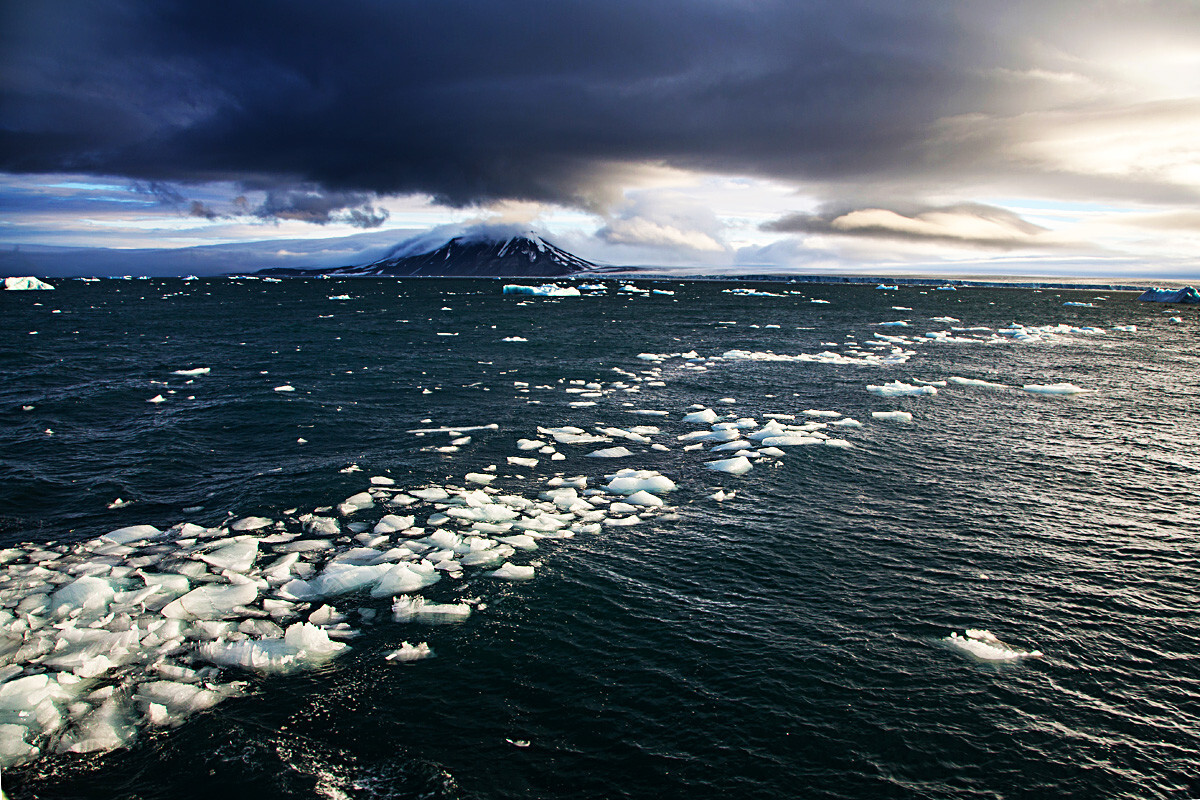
(236, 557)
(643, 498)
(511, 572)
(985, 646)
(392, 523)
(976, 382)
(285, 388)
(212, 602)
(705, 417)
(523, 462)
(628, 482)
(134, 533)
(480, 478)
(355, 503)
(611, 452)
(898, 389)
(892, 416)
(410, 652)
(738, 465)
(86, 593)
(407, 608)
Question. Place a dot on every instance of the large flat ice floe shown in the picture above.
(1054, 388)
(548, 290)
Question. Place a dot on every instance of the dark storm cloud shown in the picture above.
(321, 207)
(474, 101)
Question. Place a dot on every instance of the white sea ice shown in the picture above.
(407, 608)
(790, 440)
(628, 482)
(25, 283)
(212, 602)
(611, 452)
(302, 645)
(523, 462)
(985, 646)
(251, 524)
(739, 465)
(134, 533)
(355, 503)
(511, 572)
(892, 416)
(410, 652)
(391, 523)
(237, 556)
(705, 417)
(976, 382)
(644, 498)
(547, 290)
(85, 594)
(898, 389)
(192, 372)
(285, 388)
(1053, 388)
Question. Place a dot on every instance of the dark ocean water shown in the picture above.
(789, 641)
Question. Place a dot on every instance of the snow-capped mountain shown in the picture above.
(471, 255)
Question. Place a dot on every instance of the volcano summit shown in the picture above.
(478, 256)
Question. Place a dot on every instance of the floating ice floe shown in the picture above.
(611, 452)
(985, 646)
(192, 372)
(898, 389)
(410, 652)
(547, 290)
(1054, 388)
(976, 382)
(892, 416)
(738, 465)
(514, 339)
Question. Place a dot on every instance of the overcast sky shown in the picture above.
(1005, 136)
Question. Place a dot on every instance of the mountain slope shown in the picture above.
(518, 256)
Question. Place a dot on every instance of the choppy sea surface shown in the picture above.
(996, 598)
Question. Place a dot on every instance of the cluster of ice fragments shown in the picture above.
(132, 629)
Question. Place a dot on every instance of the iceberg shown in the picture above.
(1185, 295)
(24, 284)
